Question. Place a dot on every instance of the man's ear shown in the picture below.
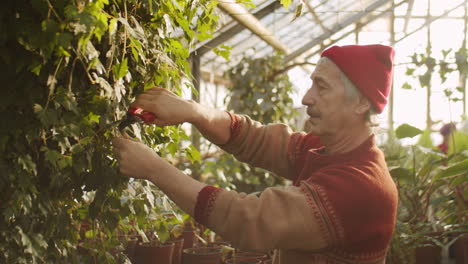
(363, 105)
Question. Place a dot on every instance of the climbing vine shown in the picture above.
(70, 68)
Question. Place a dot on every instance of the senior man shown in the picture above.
(342, 205)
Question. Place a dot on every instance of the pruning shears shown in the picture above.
(135, 115)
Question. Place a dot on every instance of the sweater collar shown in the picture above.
(318, 159)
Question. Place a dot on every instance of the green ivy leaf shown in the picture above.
(192, 154)
(120, 70)
(247, 3)
(298, 12)
(52, 156)
(172, 148)
(27, 243)
(47, 117)
(65, 52)
(223, 51)
(27, 164)
(286, 3)
(407, 86)
(410, 71)
(91, 233)
(39, 239)
(71, 12)
(406, 130)
(204, 32)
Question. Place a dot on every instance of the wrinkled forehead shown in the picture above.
(326, 69)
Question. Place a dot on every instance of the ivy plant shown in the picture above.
(70, 68)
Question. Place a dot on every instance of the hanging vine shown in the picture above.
(69, 70)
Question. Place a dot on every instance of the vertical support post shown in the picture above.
(391, 96)
(428, 51)
(357, 29)
(196, 73)
(463, 75)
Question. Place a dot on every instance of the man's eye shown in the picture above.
(321, 89)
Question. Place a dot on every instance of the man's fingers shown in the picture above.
(143, 103)
(126, 136)
(155, 90)
(161, 123)
(116, 142)
(146, 96)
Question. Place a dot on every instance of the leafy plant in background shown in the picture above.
(423, 68)
(432, 186)
(261, 89)
(432, 196)
(69, 70)
(424, 65)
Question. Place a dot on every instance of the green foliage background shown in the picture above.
(262, 90)
(69, 68)
(432, 195)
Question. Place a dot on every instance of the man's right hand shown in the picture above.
(168, 108)
(171, 109)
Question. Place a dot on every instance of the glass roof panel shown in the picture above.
(319, 18)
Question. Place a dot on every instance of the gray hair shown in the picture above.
(353, 93)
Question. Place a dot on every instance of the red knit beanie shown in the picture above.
(369, 67)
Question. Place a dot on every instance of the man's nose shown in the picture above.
(308, 98)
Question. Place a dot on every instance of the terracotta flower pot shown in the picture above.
(219, 244)
(153, 253)
(255, 255)
(243, 260)
(130, 247)
(177, 254)
(461, 250)
(189, 238)
(211, 255)
(429, 254)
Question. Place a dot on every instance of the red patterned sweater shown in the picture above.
(340, 209)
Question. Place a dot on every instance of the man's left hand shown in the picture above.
(135, 158)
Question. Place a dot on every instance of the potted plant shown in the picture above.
(154, 252)
(413, 169)
(202, 255)
(426, 215)
(454, 205)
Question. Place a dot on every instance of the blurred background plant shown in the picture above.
(433, 195)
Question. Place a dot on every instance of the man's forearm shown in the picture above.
(179, 187)
(213, 124)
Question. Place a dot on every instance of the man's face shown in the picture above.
(327, 106)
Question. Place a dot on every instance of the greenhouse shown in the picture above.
(234, 131)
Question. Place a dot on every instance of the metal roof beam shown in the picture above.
(367, 21)
(429, 22)
(336, 28)
(316, 17)
(408, 15)
(235, 28)
(241, 15)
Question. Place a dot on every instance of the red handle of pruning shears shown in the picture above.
(147, 117)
